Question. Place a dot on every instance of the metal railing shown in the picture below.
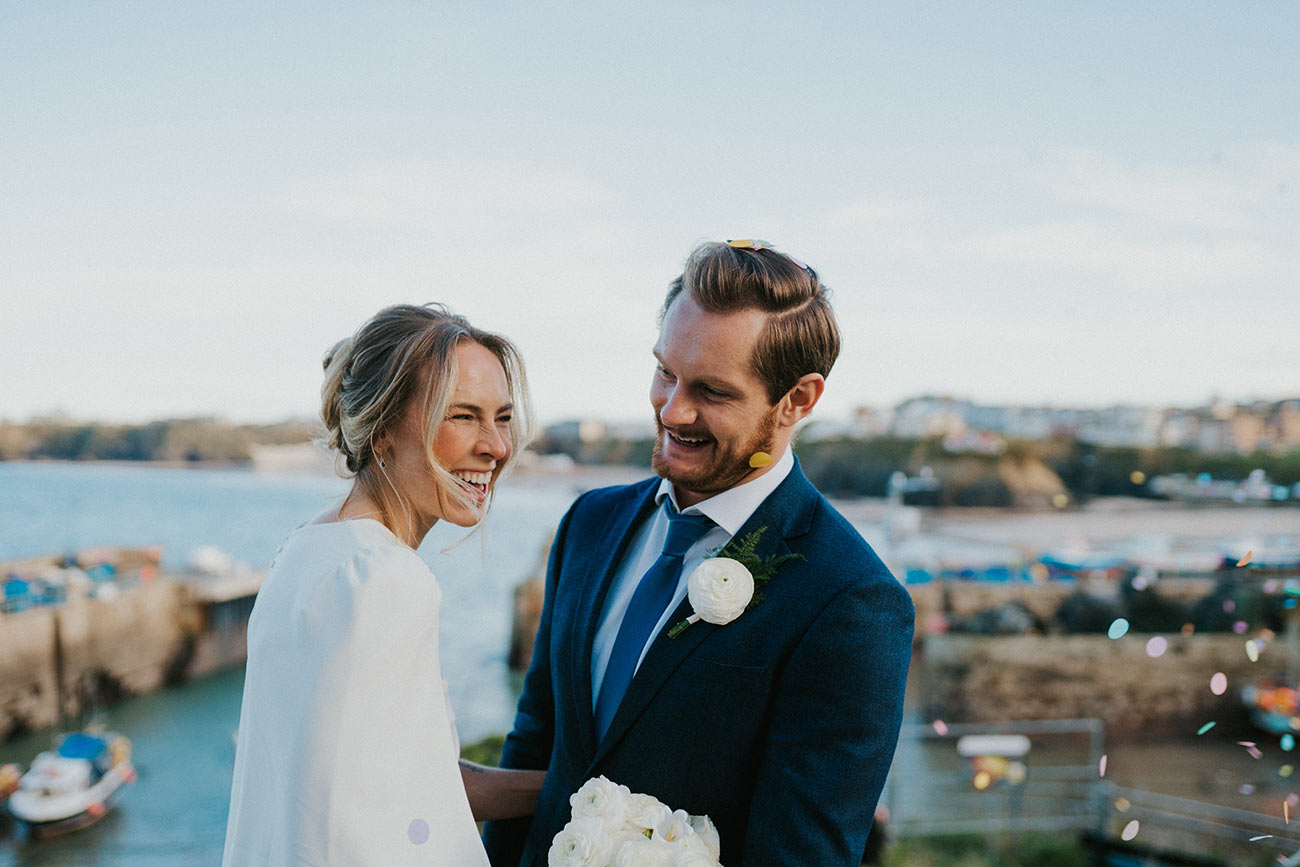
(932, 791)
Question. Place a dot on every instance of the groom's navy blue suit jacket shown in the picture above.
(780, 726)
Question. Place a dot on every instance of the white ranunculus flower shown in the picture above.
(644, 853)
(603, 799)
(582, 843)
(645, 812)
(689, 856)
(719, 590)
(708, 834)
(675, 828)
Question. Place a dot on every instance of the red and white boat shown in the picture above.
(75, 784)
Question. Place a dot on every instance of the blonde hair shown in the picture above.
(405, 353)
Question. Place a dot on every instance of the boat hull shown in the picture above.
(49, 816)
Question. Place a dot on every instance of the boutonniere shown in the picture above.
(730, 582)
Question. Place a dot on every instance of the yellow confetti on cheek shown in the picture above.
(760, 459)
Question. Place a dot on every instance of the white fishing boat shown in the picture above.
(75, 784)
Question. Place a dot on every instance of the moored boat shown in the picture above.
(75, 784)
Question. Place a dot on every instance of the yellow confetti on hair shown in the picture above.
(759, 459)
(1244, 560)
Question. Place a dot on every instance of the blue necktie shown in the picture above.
(652, 596)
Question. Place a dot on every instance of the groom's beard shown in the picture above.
(725, 468)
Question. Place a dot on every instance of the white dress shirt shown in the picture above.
(729, 510)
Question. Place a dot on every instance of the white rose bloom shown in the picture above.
(644, 853)
(645, 812)
(719, 590)
(601, 799)
(582, 843)
(708, 834)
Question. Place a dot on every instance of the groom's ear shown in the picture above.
(800, 400)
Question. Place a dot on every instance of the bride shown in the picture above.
(347, 750)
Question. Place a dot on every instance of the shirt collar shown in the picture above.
(732, 508)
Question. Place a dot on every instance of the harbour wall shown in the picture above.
(986, 679)
(62, 660)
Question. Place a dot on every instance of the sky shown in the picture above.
(1039, 203)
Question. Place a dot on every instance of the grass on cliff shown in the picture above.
(485, 752)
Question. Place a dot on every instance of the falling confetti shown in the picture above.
(1240, 627)
(1252, 650)
(1219, 683)
(1229, 606)
(1288, 742)
(940, 728)
(1251, 748)
(1246, 789)
(1101, 767)
(1205, 728)
(1286, 812)
(1118, 628)
(1285, 771)
(418, 832)
(1130, 831)
(982, 780)
(1123, 804)
(1261, 837)
(759, 459)
(1156, 646)
(1244, 560)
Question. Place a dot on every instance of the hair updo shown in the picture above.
(405, 352)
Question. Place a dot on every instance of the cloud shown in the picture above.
(1209, 196)
(1099, 248)
(443, 194)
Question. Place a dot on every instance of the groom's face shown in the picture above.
(711, 407)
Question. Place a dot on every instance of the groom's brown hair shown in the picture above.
(801, 335)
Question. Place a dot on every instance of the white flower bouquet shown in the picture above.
(612, 827)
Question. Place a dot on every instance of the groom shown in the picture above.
(779, 725)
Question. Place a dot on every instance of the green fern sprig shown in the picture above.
(745, 552)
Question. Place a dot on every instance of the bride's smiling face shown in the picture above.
(472, 442)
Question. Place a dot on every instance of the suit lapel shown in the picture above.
(786, 513)
(608, 550)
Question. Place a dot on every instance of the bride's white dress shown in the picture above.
(347, 752)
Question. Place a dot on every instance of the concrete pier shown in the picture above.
(59, 660)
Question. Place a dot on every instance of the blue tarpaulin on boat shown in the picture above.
(81, 746)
